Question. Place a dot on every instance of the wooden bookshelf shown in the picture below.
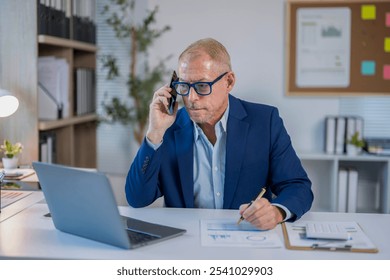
(66, 43)
(48, 125)
(75, 136)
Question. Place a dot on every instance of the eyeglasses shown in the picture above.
(201, 88)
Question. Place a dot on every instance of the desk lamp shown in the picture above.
(8, 103)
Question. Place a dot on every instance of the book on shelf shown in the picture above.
(84, 91)
(350, 129)
(359, 125)
(47, 147)
(352, 190)
(338, 130)
(330, 130)
(342, 182)
(340, 135)
(347, 189)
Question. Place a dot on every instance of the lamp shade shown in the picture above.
(8, 103)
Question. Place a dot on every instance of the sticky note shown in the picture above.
(387, 44)
(368, 12)
(368, 68)
(387, 19)
(386, 72)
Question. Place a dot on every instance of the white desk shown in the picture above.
(31, 235)
(20, 205)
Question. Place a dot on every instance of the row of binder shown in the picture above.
(83, 21)
(52, 19)
(83, 30)
(338, 130)
(70, 19)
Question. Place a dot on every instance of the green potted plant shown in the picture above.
(10, 152)
(355, 144)
(142, 81)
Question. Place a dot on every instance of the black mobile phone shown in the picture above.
(172, 100)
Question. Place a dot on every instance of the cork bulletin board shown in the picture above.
(338, 47)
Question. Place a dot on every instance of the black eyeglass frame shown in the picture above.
(193, 85)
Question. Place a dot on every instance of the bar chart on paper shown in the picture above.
(227, 233)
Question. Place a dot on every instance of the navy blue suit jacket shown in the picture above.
(258, 153)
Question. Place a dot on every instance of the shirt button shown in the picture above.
(218, 194)
(216, 168)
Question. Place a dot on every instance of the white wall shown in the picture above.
(253, 32)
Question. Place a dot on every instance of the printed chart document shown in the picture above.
(295, 238)
(226, 233)
(323, 47)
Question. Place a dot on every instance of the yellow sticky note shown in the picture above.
(387, 44)
(368, 12)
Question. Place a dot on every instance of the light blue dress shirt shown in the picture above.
(209, 166)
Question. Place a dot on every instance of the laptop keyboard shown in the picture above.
(137, 237)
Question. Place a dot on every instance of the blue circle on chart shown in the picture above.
(256, 237)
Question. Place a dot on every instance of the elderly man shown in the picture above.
(218, 151)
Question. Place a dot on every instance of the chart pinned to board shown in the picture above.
(338, 47)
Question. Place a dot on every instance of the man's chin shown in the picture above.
(196, 117)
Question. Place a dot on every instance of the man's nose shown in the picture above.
(193, 96)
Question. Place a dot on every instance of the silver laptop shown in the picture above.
(82, 203)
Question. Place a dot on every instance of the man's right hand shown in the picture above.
(159, 119)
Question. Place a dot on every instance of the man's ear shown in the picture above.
(231, 80)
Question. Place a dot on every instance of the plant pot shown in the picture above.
(10, 163)
(352, 150)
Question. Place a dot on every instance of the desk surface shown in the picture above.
(20, 205)
(29, 234)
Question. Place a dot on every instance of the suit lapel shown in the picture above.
(237, 131)
(184, 138)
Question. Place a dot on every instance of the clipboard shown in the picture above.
(295, 239)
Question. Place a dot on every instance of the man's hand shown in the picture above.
(159, 119)
(262, 214)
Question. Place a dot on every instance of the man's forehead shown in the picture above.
(193, 72)
(199, 65)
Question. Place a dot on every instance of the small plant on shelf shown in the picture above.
(356, 140)
(355, 144)
(11, 150)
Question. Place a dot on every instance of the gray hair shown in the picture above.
(213, 48)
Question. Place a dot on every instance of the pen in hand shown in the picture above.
(258, 197)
